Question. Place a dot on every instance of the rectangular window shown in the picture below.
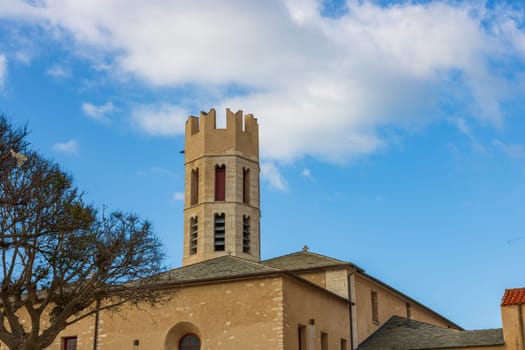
(375, 311)
(194, 235)
(343, 344)
(301, 336)
(324, 341)
(69, 343)
(409, 310)
(246, 185)
(194, 186)
(220, 183)
(246, 234)
(219, 232)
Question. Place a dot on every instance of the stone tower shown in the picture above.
(221, 202)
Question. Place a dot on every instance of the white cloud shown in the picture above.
(3, 71)
(69, 147)
(98, 112)
(178, 196)
(321, 87)
(462, 126)
(160, 120)
(57, 71)
(513, 150)
(271, 174)
(307, 173)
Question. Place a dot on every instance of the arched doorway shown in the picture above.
(190, 341)
(183, 336)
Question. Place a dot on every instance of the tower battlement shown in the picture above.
(240, 136)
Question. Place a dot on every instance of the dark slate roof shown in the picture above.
(222, 267)
(400, 333)
(303, 260)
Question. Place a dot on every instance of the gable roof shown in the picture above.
(304, 260)
(515, 296)
(226, 266)
(400, 333)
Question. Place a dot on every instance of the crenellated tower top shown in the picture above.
(240, 137)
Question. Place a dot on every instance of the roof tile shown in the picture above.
(303, 260)
(515, 296)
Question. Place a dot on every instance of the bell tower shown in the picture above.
(221, 201)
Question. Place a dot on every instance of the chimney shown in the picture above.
(513, 318)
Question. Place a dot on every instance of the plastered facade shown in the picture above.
(513, 317)
(389, 303)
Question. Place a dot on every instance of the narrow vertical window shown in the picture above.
(375, 311)
(409, 310)
(219, 232)
(246, 234)
(194, 186)
(69, 343)
(220, 182)
(301, 336)
(246, 185)
(324, 341)
(194, 234)
(343, 344)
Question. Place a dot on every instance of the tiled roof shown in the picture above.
(302, 261)
(515, 296)
(400, 333)
(222, 267)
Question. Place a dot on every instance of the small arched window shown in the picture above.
(194, 187)
(220, 182)
(246, 185)
(190, 342)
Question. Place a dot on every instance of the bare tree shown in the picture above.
(61, 259)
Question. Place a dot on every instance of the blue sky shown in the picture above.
(392, 133)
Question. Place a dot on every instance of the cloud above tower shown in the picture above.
(330, 87)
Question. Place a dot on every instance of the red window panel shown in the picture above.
(220, 183)
(246, 185)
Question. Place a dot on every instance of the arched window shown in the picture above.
(194, 234)
(220, 182)
(194, 187)
(219, 234)
(246, 185)
(190, 342)
(245, 234)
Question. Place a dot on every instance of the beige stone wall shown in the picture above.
(304, 303)
(513, 319)
(234, 315)
(235, 147)
(317, 277)
(335, 280)
(389, 304)
(496, 347)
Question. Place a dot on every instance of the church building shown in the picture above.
(225, 297)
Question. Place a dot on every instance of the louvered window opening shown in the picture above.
(246, 234)
(194, 235)
(219, 232)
